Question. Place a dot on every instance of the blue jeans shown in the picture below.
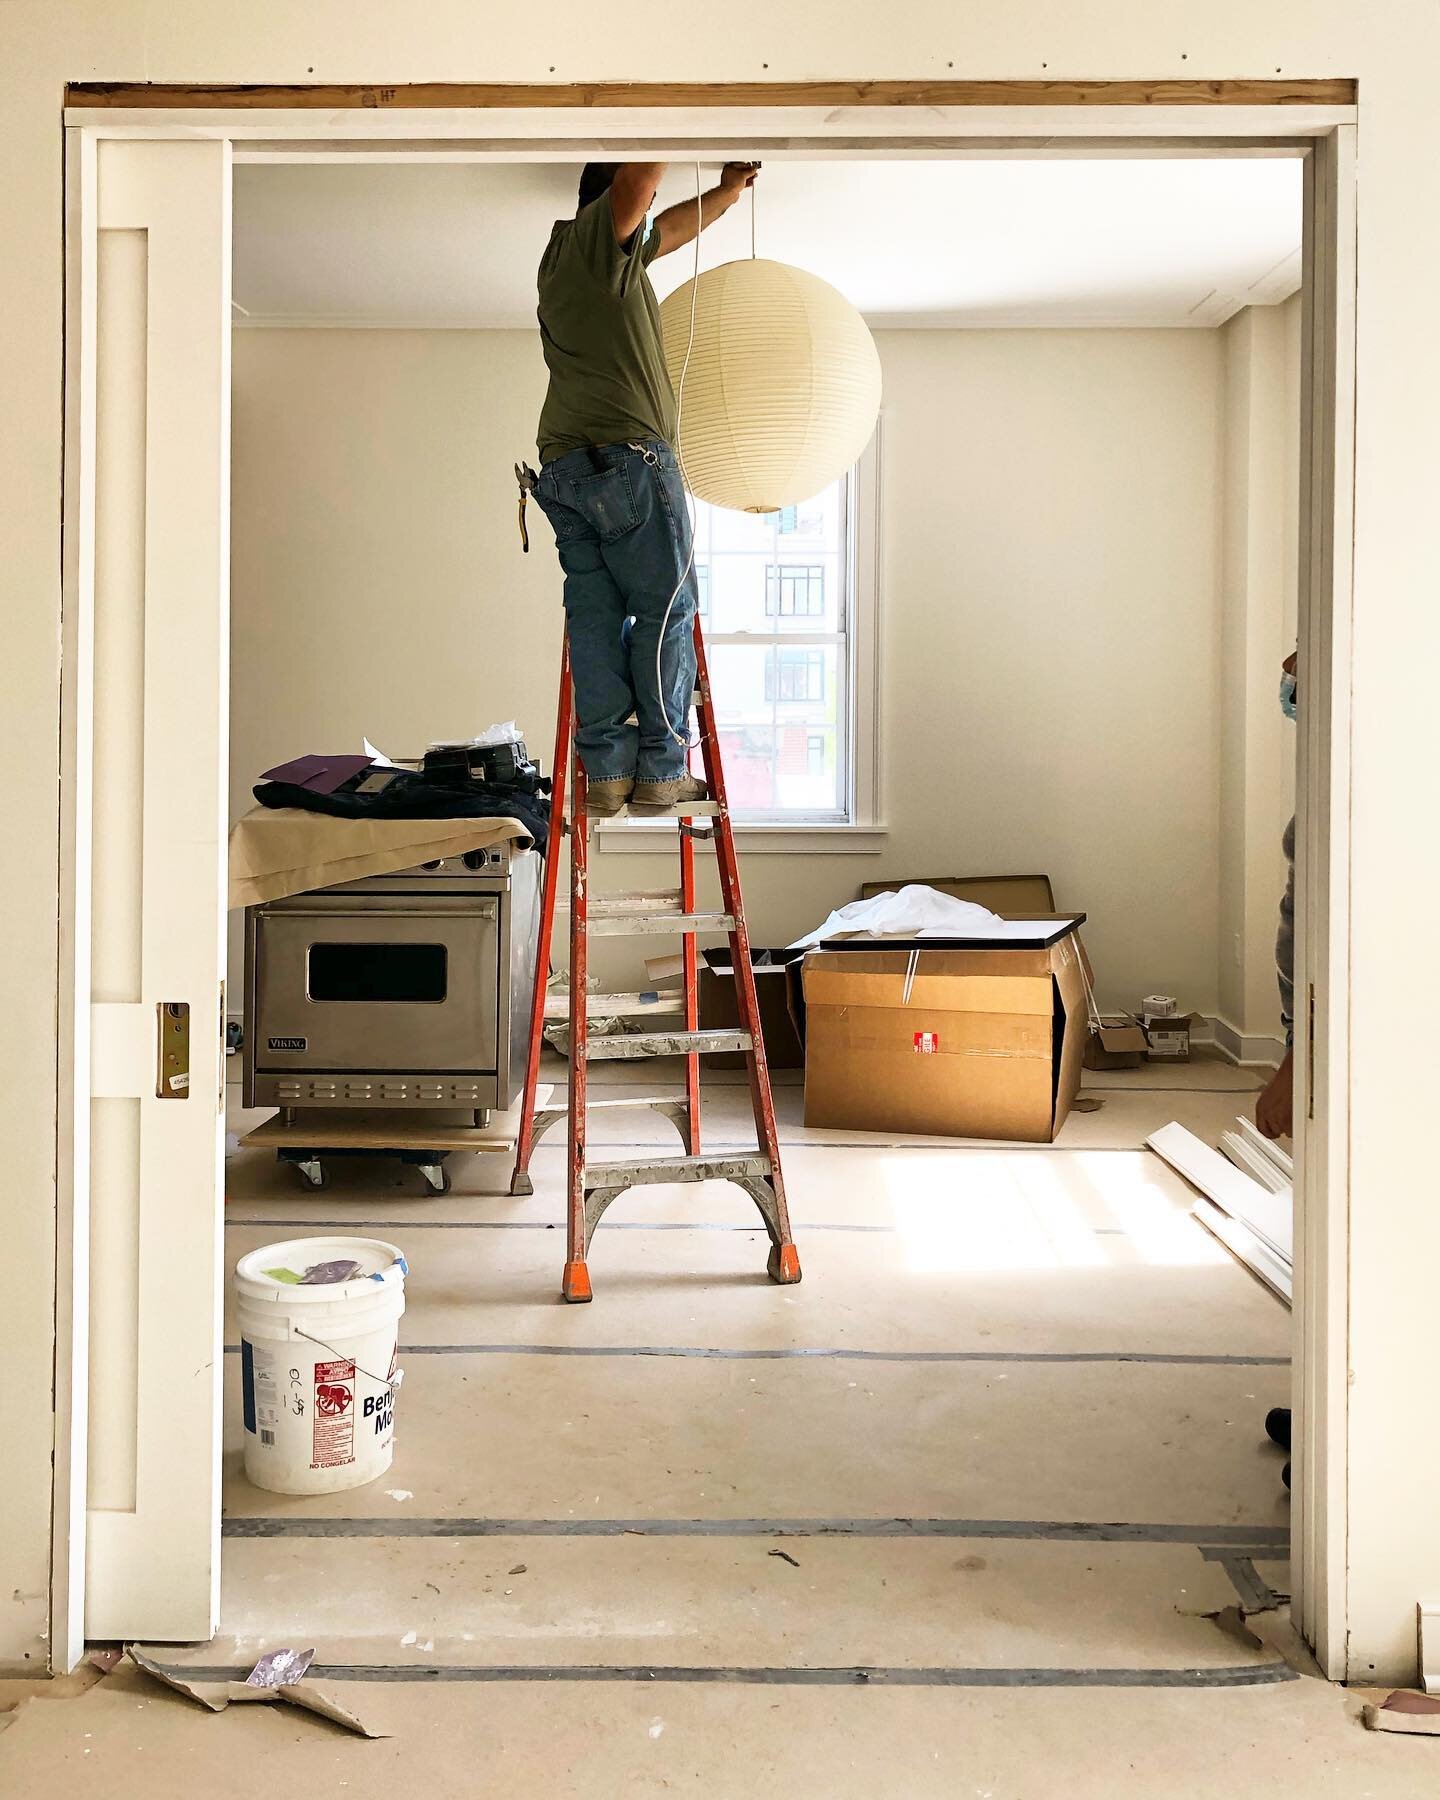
(624, 537)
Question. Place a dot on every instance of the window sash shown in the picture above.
(843, 640)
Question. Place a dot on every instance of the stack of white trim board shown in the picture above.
(1247, 1197)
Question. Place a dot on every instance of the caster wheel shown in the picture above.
(438, 1184)
(313, 1183)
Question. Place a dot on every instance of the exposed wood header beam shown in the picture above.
(1329, 91)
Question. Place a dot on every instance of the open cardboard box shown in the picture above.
(778, 995)
(983, 1043)
(1118, 1044)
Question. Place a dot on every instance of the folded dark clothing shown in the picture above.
(409, 796)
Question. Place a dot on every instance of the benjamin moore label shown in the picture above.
(287, 1043)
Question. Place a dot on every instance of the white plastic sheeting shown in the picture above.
(916, 911)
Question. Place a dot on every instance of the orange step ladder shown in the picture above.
(592, 1186)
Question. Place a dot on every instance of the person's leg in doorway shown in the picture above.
(1275, 1109)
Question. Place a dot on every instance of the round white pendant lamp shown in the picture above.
(782, 389)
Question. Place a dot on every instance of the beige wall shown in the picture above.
(1257, 631)
(1048, 594)
(1392, 46)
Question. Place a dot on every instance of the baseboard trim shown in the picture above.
(1254, 1051)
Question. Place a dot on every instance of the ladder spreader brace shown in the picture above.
(592, 1186)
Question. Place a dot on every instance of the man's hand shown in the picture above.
(1275, 1109)
(736, 177)
(682, 223)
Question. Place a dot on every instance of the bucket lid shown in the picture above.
(305, 1271)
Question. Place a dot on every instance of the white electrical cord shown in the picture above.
(682, 738)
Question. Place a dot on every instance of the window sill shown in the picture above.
(637, 837)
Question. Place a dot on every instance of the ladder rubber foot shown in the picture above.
(520, 1183)
(575, 1283)
(784, 1264)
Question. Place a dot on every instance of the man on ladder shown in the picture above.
(610, 485)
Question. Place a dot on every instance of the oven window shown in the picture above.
(383, 973)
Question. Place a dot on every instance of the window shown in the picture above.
(795, 590)
(702, 586)
(788, 608)
(795, 675)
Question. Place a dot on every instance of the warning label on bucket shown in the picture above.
(333, 1415)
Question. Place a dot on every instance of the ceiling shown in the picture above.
(1102, 242)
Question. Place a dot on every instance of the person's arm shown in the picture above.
(677, 224)
(632, 194)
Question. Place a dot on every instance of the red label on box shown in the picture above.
(927, 1042)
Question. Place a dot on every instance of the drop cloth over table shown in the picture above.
(276, 851)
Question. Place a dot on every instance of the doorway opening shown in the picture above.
(286, 378)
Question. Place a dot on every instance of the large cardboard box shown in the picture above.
(958, 1043)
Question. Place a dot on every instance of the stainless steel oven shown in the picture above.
(408, 990)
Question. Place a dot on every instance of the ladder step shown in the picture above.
(649, 1005)
(675, 1168)
(689, 809)
(655, 924)
(644, 900)
(656, 1102)
(622, 1045)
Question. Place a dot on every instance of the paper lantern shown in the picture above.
(783, 387)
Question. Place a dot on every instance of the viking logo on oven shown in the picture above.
(287, 1043)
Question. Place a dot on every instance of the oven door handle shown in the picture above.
(461, 906)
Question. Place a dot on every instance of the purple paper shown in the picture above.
(321, 774)
(326, 1274)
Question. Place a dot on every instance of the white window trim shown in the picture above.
(863, 833)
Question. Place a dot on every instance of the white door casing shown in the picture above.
(148, 200)
(1322, 909)
(148, 637)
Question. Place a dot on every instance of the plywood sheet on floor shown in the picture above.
(913, 1292)
(896, 1603)
(640, 1438)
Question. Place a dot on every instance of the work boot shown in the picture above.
(661, 796)
(1277, 1426)
(603, 799)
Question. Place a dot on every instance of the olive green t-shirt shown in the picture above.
(600, 329)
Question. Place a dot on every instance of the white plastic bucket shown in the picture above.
(318, 1364)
